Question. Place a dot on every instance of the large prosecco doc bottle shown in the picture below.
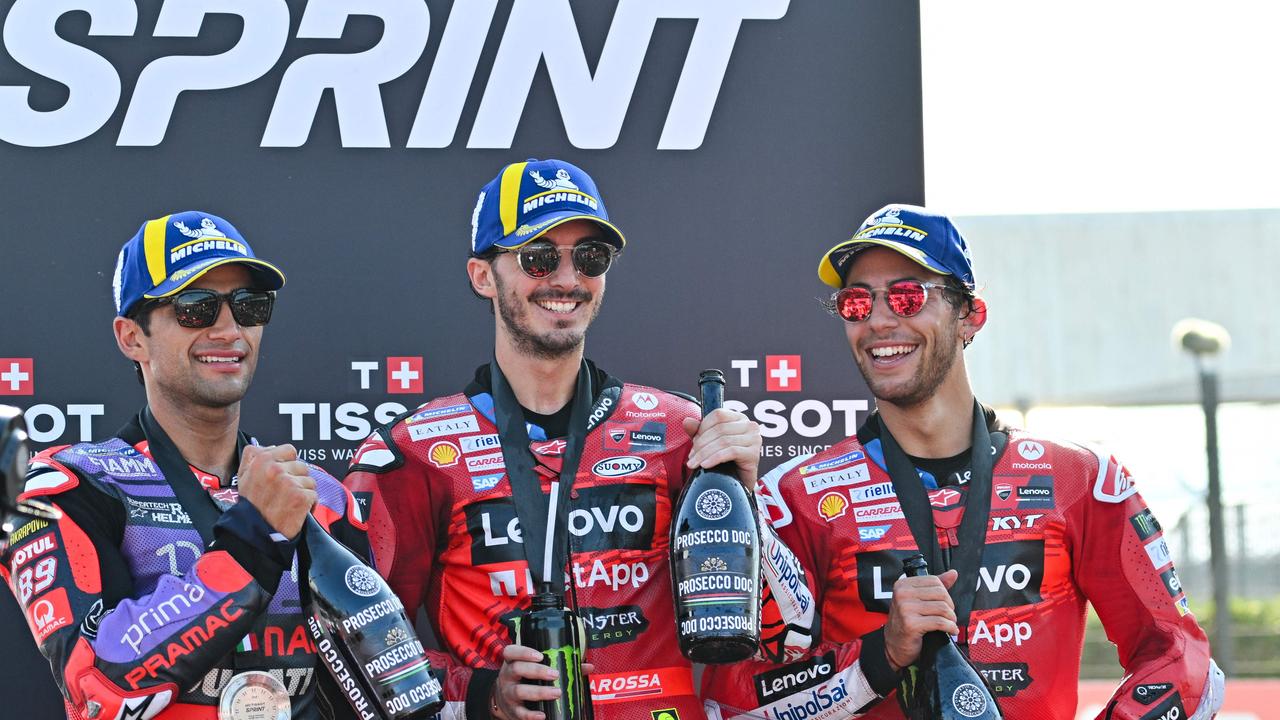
(715, 557)
(943, 685)
(362, 633)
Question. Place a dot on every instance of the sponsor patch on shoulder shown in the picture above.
(49, 479)
(1170, 709)
(1113, 484)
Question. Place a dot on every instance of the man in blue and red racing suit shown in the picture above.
(443, 524)
(1064, 526)
(172, 568)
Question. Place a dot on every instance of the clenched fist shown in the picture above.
(278, 484)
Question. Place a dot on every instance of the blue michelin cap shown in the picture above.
(529, 198)
(926, 237)
(171, 252)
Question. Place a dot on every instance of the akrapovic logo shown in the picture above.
(537, 34)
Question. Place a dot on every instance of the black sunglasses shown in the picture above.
(540, 258)
(200, 308)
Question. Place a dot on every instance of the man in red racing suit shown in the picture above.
(172, 569)
(443, 525)
(1065, 524)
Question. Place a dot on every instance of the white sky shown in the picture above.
(1034, 106)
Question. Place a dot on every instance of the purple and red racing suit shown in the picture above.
(138, 617)
(1066, 527)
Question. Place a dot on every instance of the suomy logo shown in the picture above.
(538, 33)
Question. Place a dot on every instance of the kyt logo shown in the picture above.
(404, 374)
(17, 376)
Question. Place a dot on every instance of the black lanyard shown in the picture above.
(192, 496)
(967, 554)
(544, 543)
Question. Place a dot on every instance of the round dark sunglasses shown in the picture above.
(906, 298)
(200, 308)
(541, 258)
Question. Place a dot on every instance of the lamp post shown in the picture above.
(1204, 340)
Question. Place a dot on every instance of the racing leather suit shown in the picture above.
(1066, 526)
(138, 617)
(445, 534)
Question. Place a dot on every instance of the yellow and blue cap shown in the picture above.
(529, 198)
(169, 253)
(928, 238)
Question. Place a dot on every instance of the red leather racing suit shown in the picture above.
(138, 616)
(444, 532)
(1066, 527)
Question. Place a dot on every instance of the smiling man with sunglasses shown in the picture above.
(168, 589)
(546, 473)
(1019, 530)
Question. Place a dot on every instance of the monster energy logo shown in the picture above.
(566, 660)
(1145, 524)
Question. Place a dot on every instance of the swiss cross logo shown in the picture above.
(404, 375)
(782, 373)
(17, 376)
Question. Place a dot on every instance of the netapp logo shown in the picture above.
(606, 517)
(541, 33)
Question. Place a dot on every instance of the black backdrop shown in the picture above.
(817, 121)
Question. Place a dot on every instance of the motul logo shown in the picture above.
(538, 34)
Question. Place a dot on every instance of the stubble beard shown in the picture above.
(930, 373)
(559, 343)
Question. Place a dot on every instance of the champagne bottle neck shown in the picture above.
(711, 386)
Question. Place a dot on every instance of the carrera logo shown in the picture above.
(619, 466)
(485, 463)
(793, 678)
(877, 513)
